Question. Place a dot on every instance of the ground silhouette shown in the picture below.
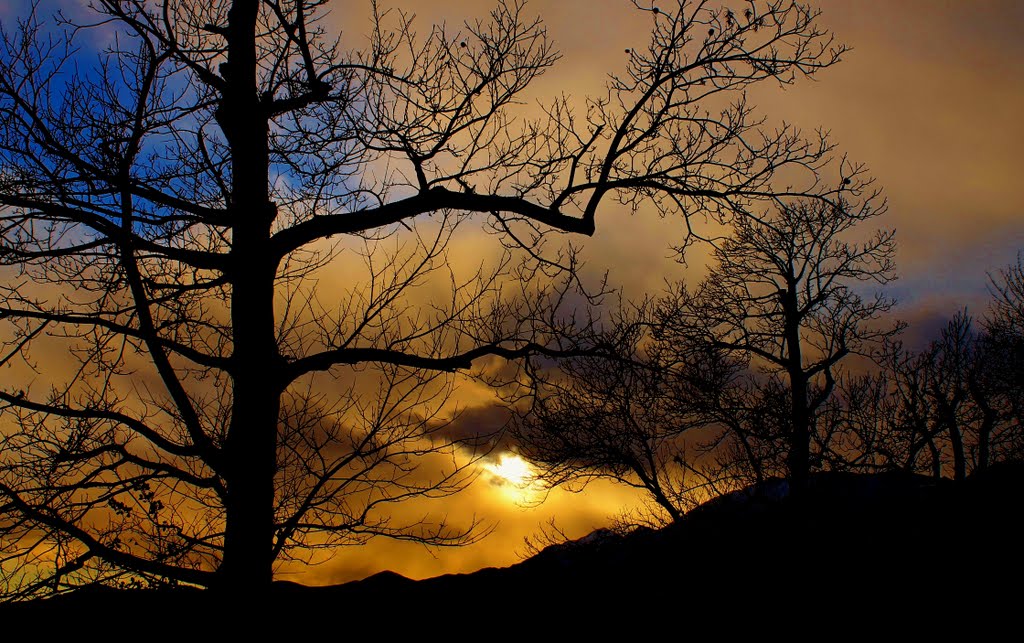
(886, 547)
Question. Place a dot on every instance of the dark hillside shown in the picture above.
(854, 547)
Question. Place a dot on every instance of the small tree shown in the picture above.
(955, 406)
(169, 206)
(1004, 327)
(1006, 313)
(857, 425)
(954, 388)
(630, 419)
(781, 293)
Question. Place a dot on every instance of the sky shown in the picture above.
(929, 98)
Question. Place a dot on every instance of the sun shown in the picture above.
(513, 479)
(510, 469)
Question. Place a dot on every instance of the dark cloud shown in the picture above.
(480, 429)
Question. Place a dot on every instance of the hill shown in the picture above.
(877, 546)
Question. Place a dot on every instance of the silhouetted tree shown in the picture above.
(955, 405)
(952, 408)
(1006, 314)
(782, 294)
(1004, 327)
(594, 418)
(853, 425)
(633, 419)
(171, 206)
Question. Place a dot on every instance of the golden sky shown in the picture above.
(930, 98)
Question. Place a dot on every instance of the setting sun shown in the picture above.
(510, 469)
(514, 478)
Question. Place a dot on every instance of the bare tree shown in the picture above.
(950, 409)
(857, 425)
(1004, 327)
(955, 407)
(1006, 314)
(171, 207)
(629, 419)
(782, 293)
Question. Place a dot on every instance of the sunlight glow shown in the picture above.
(513, 478)
(511, 469)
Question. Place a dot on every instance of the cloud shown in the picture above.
(479, 428)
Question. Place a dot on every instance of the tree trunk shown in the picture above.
(799, 458)
(988, 422)
(959, 455)
(927, 440)
(947, 414)
(748, 450)
(251, 461)
(251, 445)
(984, 443)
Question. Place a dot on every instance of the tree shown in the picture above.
(591, 417)
(1006, 314)
(172, 204)
(954, 388)
(625, 418)
(781, 294)
(854, 425)
(955, 405)
(1004, 328)
(683, 423)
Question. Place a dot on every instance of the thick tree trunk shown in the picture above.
(799, 457)
(251, 456)
(250, 448)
